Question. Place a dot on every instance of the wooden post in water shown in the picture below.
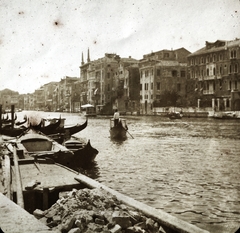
(20, 200)
(0, 116)
(12, 115)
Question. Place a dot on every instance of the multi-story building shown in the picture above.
(48, 89)
(8, 98)
(215, 71)
(128, 87)
(98, 81)
(163, 77)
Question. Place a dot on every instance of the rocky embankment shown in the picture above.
(95, 210)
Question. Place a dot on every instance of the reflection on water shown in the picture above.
(188, 168)
(91, 170)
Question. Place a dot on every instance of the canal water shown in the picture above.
(189, 168)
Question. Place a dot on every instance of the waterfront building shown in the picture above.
(48, 89)
(38, 101)
(63, 94)
(128, 85)
(97, 79)
(163, 76)
(8, 98)
(214, 70)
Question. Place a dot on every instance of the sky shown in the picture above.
(43, 40)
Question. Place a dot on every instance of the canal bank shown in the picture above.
(15, 219)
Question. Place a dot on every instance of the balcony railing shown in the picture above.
(208, 92)
(211, 77)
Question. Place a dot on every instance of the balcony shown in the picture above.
(211, 77)
(208, 92)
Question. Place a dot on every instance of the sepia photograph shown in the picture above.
(120, 116)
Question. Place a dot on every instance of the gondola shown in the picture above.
(118, 131)
(35, 144)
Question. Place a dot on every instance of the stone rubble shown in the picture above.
(95, 210)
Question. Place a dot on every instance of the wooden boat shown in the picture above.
(118, 131)
(64, 133)
(82, 149)
(35, 144)
(12, 132)
(35, 183)
(174, 115)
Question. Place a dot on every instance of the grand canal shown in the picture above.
(188, 168)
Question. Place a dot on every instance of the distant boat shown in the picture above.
(174, 115)
(118, 131)
(90, 110)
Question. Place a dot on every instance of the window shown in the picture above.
(214, 71)
(151, 86)
(174, 73)
(166, 55)
(183, 73)
(236, 68)
(220, 70)
(140, 87)
(158, 72)
(179, 87)
(158, 86)
(146, 86)
(207, 72)
(214, 57)
(235, 85)
(146, 73)
(108, 75)
(233, 54)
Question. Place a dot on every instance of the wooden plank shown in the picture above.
(20, 200)
(7, 177)
(167, 220)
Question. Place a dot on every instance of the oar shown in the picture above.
(130, 134)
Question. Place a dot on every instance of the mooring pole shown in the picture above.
(0, 116)
(12, 115)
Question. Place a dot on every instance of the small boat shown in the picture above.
(12, 132)
(225, 115)
(35, 144)
(64, 133)
(82, 149)
(118, 131)
(174, 115)
(76, 128)
(35, 183)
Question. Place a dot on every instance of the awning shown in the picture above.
(87, 106)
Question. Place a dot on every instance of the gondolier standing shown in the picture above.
(116, 117)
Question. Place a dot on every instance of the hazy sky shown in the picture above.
(43, 40)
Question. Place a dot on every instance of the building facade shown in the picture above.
(215, 71)
(163, 77)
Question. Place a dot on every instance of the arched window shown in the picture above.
(214, 57)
